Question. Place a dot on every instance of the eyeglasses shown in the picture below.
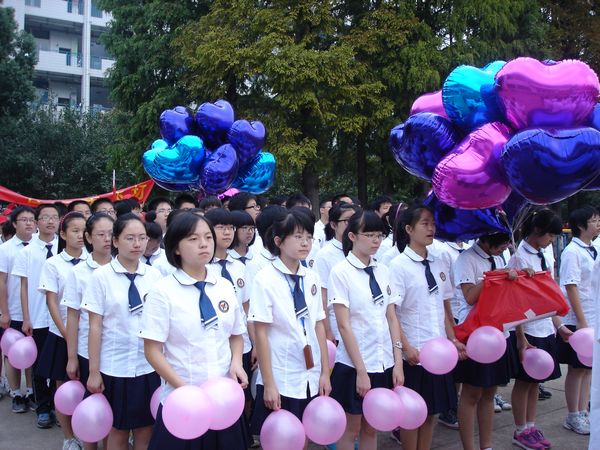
(247, 228)
(132, 239)
(164, 211)
(222, 228)
(342, 221)
(110, 212)
(372, 236)
(48, 218)
(255, 206)
(26, 220)
(300, 238)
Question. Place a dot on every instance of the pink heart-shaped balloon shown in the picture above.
(537, 94)
(471, 176)
(430, 102)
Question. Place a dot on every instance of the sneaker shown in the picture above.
(71, 444)
(44, 420)
(31, 403)
(526, 440)
(537, 433)
(578, 424)
(504, 405)
(497, 407)
(543, 393)
(19, 404)
(255, 442)
(396, 436)
(449, 419)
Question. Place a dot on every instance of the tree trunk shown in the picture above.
(310, 185)
(361, 170)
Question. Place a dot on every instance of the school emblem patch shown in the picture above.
(223, 306)
(443, 276)
(240, 282)
(311, 263)
(313, 289)
(389, 290)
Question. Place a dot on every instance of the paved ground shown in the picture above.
(18, 431)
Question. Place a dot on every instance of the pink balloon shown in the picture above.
(582, 342)
(227, 399)
(324, 420)
(92, 419)
(22, 353)
(538, 363)
(585, 360)
(471, 176)
(68, 396)
(430, 102)
(331, 351)
(381, 409)
(155, 401)
(414, 408)
(438, 356)
(9, 337)
(282, 431)
(187, 412)
(486, 345)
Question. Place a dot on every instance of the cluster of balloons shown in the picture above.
(496, 137)
(582, 342)
(20, 349)
(209, 152)
(386, 409)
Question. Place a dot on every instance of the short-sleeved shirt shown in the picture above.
(261, 259)
(271, 302)
(448, 252)
(349, 286)
(163, 266)
(319, 235)
(330, 254)
(8, 252)
(172, 316)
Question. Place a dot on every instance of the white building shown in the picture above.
(72, 61)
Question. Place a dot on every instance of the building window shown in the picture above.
(36, 3)
(95, 62)
(96, 12)
(63, 101)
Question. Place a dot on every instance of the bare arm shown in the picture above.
(5, 318)
(263, 351)
(95, 384)
(72, 344)
(328, 333)
(52, 303)
(236, 369)
(573, 294)
(394, 326)
(156, 358)
(27, 326)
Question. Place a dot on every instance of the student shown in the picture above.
(54, 357)
(381, 205)
(287, 313)
(298, 199)
(245, 230)
(162, 207)
(80, 206)
(208, 203)
(366, 358)
(243, 201)
(161, 263)
(419, 280)
(103, 205)
(153, 250)
(343, 197)
(28, 266)
(320, 224)
(118, 367)
(23, 219)
(185, 201)
(188, 340)
(278, 200)
(579, 269)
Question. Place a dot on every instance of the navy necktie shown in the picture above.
(491, 260)
(243, 259)
(299, 300)
(593, 252)
(75, 261)
(148, 258)
(208, 316)
(542, 260)
(25, 244)
(224, 272)
(460, 250)
(49, 252)
(303, 262)
(135, 302)
(431, 283)
(375, 289)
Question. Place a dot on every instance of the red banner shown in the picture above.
(140, 191)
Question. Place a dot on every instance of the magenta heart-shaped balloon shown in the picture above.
(247, 138)
(430, 102)
(471, 176)
(537, 94)
(214, 120)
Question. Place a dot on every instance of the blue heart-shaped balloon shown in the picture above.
(469, 96)
(214, 120)
(548, 166)
(247, 138)
(421, 142)
(258, 176)
(176, 123)
(175, 167)
(219, 170)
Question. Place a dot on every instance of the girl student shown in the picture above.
(579, 268)
(56, 270)
(192, 328)
(118, 368)
(153, 250)
(539, 230)
(359, 291)
(287, 312)
(331, 254)
(244, 236)
(421, 285)
(98, 236)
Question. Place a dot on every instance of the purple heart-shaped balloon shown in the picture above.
(247, 138)
(534, 94)
(214, 120)
(430, 102)
(219, 170)
(175, 123)
(471, 176)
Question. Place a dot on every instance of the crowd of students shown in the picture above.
(125, 300)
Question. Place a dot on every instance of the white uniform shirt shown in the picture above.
(577, 266)
(386, 244)
(8, 252)
(420, 313)
(28, 264)
(330, 255)
(153, 257)
(235, 255)
(272, 303)
(389, 255)
(319, 235)
(448, 252)
(349, 286)
(261, 260)
(172, 316)
(53, 278)
(163, 266)
(122, 352)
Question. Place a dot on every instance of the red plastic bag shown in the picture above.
(504, 303)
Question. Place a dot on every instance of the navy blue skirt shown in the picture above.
(566, 354)
(438, 391)
(233, 438)
(53, 359)
(129, 399)
(488, 375)
(84, 369)
(343, 386)
(247, 366)
(294, 405)
(548, 344)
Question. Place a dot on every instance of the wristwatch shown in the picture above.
(398, 345)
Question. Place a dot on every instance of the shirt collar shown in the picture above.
(118, 267)
(184, 279)
(455, 246)
(91, 263)
(280, 266)
(42, 244)
(227, 258)
(415, 256)
(266, 254)
(17, 241)
(337, 244)
(580, 242)
(68, 258)
(528, 248)
(355, 262)
(477, 249)
(235, 255)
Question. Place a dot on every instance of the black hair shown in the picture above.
(90, 224)
(239, 201)
(120, 225)
(335, 213)
(338, 198)
(151, 216)
(64, 225)
(61, 208)
(123, 207)
(241, 219)
(297, 198)
(495, 239)
(74, 203)
(391, 217)
(14, 215)
(185, 198)
(8, 229)
(182, 226)
(410, 217)
(153, 230)
(99, 201)
(210, 202)
(323, 201)
(541, 221)
(43, 206)
(157, 201)
(378, 201)
(219, 216)
(262, 201)
(294, 219)
(266, 218)
(362, 221)
(278, 200)
(579, 219)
